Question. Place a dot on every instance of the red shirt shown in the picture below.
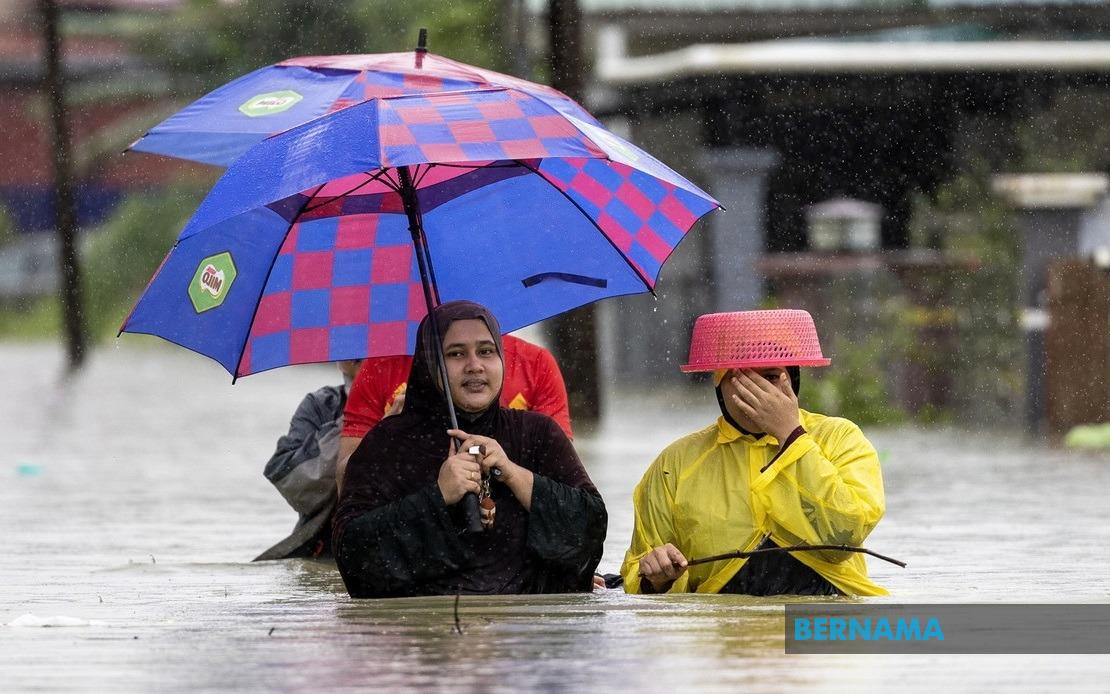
(532, 382)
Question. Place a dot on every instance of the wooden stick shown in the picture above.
(794, 548)
(458, 624)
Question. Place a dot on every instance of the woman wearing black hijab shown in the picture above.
(399, 526)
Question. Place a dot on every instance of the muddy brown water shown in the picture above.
(131, 500)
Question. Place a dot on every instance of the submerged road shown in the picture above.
(132, 499)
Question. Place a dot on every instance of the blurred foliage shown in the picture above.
(207, 43)
(1072, 134)
(858, 388)
(861, 315)
(31, 321)
(988, 368)
(211, 42)
(203, 45)
(969, 221)
(119, 258)
(126, 251)
(7, 227)
(944, 339)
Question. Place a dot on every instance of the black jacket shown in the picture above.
(394, 535)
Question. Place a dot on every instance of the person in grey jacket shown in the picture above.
(303, 468)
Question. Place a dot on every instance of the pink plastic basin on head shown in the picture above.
(753, 339)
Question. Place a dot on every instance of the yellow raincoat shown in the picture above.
(705, 494)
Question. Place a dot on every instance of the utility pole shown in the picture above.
(64, 208)
(514, 29)
(573, 334)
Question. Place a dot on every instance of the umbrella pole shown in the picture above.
(424, 262)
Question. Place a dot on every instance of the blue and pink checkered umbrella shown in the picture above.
(223, 124)
(320, 243)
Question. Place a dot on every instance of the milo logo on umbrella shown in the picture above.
(212, 281)
(270, 103)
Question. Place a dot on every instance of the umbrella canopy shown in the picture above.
(304, 250)
(223, 124)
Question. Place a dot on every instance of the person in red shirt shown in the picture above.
(532, 382)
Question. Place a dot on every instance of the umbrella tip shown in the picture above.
(421, 47)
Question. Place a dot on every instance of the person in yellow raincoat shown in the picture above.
(765, 474)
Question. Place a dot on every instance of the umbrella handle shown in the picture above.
(471, 513)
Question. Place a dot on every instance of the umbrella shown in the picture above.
(330, 241)
(222, 125)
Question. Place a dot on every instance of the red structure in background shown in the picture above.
(25, 177)
(1077, 347)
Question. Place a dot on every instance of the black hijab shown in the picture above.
(409, 448)
(425, 394)
(399, 461)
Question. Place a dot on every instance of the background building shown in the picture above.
(780, 107)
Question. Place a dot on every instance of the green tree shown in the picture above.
(208, 43)
(1071, 135)
(212, 42)
(204, 44)
(980, 296)
(124, 253)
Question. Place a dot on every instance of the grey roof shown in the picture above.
(845, 57)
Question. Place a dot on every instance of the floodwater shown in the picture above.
(132, 499)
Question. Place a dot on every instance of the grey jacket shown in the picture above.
(303, 470)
